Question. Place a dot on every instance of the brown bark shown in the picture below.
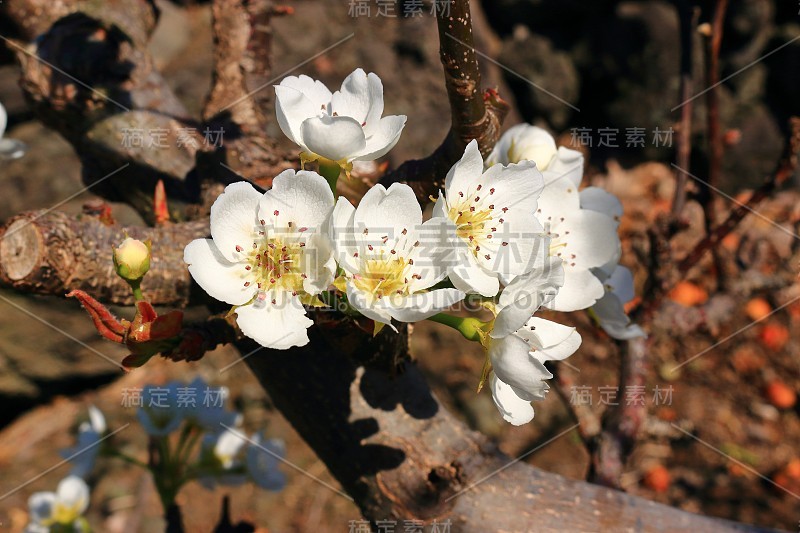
(53, 253)
(474, 114)
(241, 90)
(368, 413)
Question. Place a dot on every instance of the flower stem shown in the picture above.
(330, 170)
(127, 458)
(470, 328)
(136, 287)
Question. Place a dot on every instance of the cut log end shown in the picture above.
(20, 249)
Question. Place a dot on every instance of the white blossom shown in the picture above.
(492, 225)
(582, 225)
(84, 454)
(524, 142)
(610, 309)
(268, 255)
(519, 343)
(390, 258)
(343, 126)
(9, 148)
(63, 508)
(222, 454)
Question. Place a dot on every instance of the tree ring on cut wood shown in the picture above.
(20, 248)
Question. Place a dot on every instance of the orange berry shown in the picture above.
(774, 336)
(757, 308)
(731, 241)
(657, 479)
(792, 469)
(688, 294)
(780, 395)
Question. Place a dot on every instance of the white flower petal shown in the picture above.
(318, 263)
(382, 137)
(513, 364)
(466, 172)
(470, 277)
(372, 120)
(524, 142)
(217, 276)
(602, 201)
(381, 209)
(279, 325)
(3, 120)
(610, 313)
(97, 420)
(227, 446)
(559, 198)
(302, 200)
(516, 186)
(313, 89)
(292, 108)
(581, 290)
(551, 341)
(513, 409)
(342, 232)
(234, 218)
(353, 100)
(433, 255)
(525, 248)
(422, 305)
(440, 207)
(73, 493)
(621, 283)
(585, 239)
(523, 296)
(369, 306)
(40, 506)
(566, 165)
(333, 138)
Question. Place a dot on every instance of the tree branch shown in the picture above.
(238, 100)
(53, 253)
(368, 413)
(688, 16)
(622, 421)
(474, 114)
(784, 171)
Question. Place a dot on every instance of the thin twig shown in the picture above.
(688, 20)
(622, 421)
(785, 170)
(714, 132)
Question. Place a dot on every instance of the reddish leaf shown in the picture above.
(107, 324)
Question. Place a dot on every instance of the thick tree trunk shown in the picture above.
(401, 455)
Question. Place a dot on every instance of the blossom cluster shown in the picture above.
(513, 231)
(226, 455)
